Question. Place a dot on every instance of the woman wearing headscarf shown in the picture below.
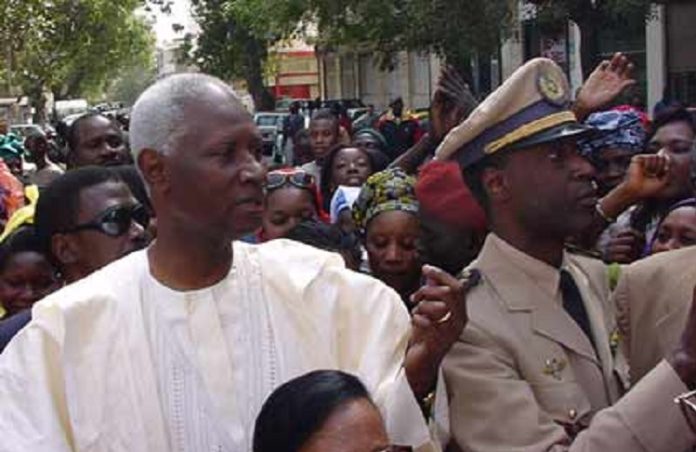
(677, 229)
(386, 218)
(620, 135)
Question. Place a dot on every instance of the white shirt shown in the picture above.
(118, 361)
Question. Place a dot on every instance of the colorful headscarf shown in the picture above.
(343, 198)
(616, 130)
(385, 191)
(11, 146)
(24, 215)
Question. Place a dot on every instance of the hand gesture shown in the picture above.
(604, 85)
(625, 247)
(452, 103)
(647, 175)
(439, 317)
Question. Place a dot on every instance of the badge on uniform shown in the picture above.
(554, 367)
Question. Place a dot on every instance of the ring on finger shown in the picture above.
(445, 317)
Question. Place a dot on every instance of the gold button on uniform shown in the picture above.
(572, 414)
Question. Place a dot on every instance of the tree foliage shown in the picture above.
(593, 16)
(70, 48)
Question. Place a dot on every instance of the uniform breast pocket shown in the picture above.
(565, 402)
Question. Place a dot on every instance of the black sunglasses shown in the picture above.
(116, 220)
(299, 179)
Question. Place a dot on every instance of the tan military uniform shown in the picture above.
(524, 376)
(654, 299)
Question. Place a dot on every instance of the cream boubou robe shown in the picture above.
(118, 362)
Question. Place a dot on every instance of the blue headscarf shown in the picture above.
(615, 130)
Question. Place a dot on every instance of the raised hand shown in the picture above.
(604, 85)
(439, 317)
(647, 175)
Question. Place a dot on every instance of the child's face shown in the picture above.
(27, 278)
(323, 134)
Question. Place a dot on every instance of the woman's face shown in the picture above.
(28, 277)
(391, 242)
(351, 167)
(611, 168)
(285, 208)
(675, 141)
(353, 427)
(678, 230)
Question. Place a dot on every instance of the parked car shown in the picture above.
(270, 125)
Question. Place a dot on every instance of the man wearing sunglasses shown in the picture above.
(89, 218)
(85, 219)
(177, 347)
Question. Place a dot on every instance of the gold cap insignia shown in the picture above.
(552, 87)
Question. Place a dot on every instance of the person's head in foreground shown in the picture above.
(199, 153)
(677, 229)
(531, 180)
(88, 218)
(26, 274)
(322, 411)
(619, 136)
(328, 237)
(94, 139)
(323, 133)
(292, 196)
(673, 135)
(302, 148)
(386, 217)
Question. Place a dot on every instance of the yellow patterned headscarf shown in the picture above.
(385, 191)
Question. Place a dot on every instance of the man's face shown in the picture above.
(93, 248)
(100, 143)
(551, 189)
(675, 140)
(323, 134)
(215, 182)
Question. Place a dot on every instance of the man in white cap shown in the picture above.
(535, 369)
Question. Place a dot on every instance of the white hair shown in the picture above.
(158, 117)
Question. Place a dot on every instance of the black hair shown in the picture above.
(59, 203)
(325, 114)
(669, 115)
(72, 135)
(23, 240)
(129, 174)
(299, 408)
(325, 237)
(327, 170)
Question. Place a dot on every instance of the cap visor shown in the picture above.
(558, 133)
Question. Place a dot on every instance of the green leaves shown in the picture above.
(70, 47)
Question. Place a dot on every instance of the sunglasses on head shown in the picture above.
(299, 179)
(116, 220)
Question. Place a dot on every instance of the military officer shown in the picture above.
(534, 370)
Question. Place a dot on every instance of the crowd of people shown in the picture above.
(517, 276)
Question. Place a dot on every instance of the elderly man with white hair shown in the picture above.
(176, 347)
